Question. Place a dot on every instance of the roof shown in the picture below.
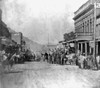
(81, 38)
(63, 42)
(81, 6)
(84, 8)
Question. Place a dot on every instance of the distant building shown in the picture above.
(84, 27)
(17, 37)
(52, 46)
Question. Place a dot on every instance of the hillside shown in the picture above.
(3, 30)
(33, 45)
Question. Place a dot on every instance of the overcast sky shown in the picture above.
(38, 19)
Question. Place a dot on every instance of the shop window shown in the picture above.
(83, 28)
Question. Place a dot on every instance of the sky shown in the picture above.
(41, 20)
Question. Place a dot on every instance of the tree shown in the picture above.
(69, 36)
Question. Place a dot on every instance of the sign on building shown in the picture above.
(17, 37)
(97, 5)
(91, 43)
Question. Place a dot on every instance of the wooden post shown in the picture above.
(81, 48)
(97, 48)
(94, 52)
(78, 45)
(85, 48)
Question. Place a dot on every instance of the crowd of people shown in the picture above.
(59, 56)
(68, 56)
(64, 56)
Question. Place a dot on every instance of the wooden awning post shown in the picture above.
(94, 53)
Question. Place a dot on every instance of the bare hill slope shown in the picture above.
(33, 45)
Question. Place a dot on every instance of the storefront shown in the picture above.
(98, 46)
(84, 47)
(84, 44)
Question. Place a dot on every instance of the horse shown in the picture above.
(71, 58)
(8, 61)
(81, 60)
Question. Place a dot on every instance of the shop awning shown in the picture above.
(71, 41)
(63, 41)
(84, 38)
(81, 38)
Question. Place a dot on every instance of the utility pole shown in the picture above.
(96, 5)
(48, 41)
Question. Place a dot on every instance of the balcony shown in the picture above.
(85, 34)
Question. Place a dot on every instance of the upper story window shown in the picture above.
(88, 26)
(92, 24)
(83, 27)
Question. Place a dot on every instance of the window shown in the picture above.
(88, 26)
(83, 27)
(91, 24)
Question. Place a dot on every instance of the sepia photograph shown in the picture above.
(49, 43)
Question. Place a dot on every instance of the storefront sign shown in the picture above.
(97, 5)
(91, 43)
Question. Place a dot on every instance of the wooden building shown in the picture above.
(17, 37)
(84, 27)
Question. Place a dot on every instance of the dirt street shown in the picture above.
(44, 75)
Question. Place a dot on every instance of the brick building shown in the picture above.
(84, 27)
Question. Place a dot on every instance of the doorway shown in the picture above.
(99, 48)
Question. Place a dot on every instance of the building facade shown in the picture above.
(17, 37)
(84, 27)
(5, 35)
(3, 28)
